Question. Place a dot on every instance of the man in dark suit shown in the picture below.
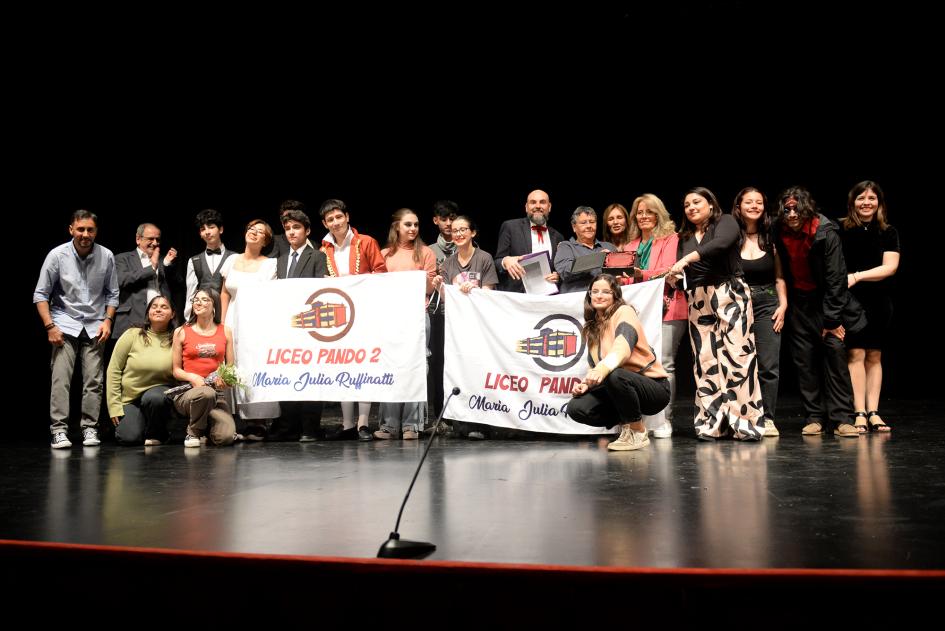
(142, 274)
(528, 234)
(280, 243)
(300, 260)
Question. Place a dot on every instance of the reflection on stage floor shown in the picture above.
(791, 502)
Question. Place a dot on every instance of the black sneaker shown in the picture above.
(60, 441)
(364, 433)
(343, 434)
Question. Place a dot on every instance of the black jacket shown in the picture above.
(829, 272)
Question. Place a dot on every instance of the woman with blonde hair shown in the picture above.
(651, 234)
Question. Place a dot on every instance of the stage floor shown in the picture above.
(875, 502)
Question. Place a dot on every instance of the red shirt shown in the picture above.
(798, 246)
(202, 354)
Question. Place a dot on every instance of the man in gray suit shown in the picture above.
(528, 234)
(300, 420)
(142, 274)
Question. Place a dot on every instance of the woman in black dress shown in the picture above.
(871, 251)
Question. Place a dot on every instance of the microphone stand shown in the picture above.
(395, 547)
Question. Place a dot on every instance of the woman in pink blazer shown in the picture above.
(652, 235)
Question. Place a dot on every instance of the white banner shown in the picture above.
(354, 338)
(515, 357)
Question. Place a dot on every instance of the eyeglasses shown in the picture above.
(196, 300)
(602, 292)
(256, 231)
(461, 230)
(790, 209)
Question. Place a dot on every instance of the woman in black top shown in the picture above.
(728, 397)
(763, 274)
(871, 249)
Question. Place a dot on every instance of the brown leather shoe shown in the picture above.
(847, 431)
(813, 429)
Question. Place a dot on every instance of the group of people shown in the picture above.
(736, 279)
(744, 275)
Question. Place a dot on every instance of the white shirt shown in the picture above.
(293, 251)
(154, 289)
(213, 262)
(342, 260)
(546, 235)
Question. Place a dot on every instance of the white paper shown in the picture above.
(537, 265)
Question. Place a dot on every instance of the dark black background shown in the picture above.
(175, 112)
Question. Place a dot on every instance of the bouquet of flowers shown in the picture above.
(228, 374)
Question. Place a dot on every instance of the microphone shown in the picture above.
(395, 547)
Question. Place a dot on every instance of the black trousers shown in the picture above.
(822, 373)
(764, 303)
(623, 397)
(299, 418)
(435, 374)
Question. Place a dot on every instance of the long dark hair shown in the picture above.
(764, 224)
(215, 297)
(852, 220)
(806, 206)
(607, 235)
(594, 321)
(688, 228)
(166, 336)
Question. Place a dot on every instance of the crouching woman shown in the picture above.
(625, 379)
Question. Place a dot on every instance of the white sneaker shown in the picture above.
(771, 430)
(663, 431)
(151, 442)
(60, 441)
(191, 441)
(90, 437)
(629, 440)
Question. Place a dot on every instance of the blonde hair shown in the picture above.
(664, 225)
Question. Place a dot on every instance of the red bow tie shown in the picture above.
(541, 232)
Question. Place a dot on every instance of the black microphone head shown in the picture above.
(455, 389)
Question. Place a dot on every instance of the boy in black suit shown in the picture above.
(299, 260)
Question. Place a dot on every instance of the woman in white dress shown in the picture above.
(239, 271)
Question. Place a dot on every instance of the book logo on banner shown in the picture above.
(330, 317)
(558, 345)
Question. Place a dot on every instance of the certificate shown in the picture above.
(537, 265)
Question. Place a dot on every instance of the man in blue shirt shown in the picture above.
(76, 297)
